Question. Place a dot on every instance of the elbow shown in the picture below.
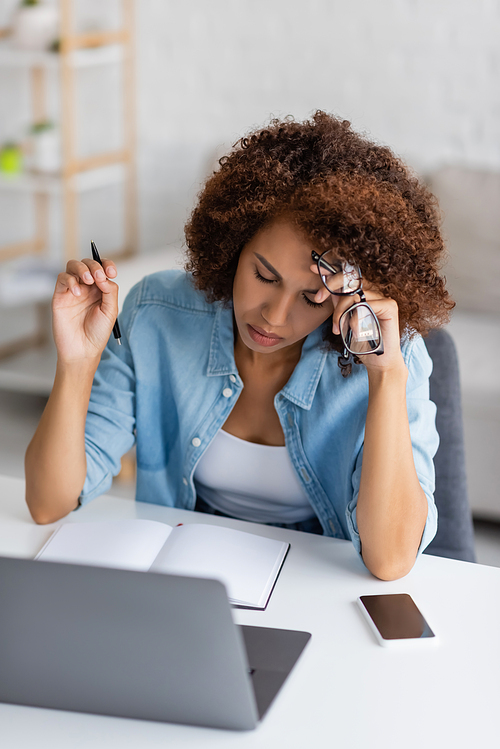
(42, 519)
(390, 569)
(391, 572)
(43, 515)
(391, 561)
(46, 502)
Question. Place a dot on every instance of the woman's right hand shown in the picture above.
(84, 309)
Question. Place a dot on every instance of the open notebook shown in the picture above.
(247, 564)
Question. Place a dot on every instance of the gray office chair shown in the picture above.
(455, 534)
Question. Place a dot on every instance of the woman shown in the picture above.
(233, 380)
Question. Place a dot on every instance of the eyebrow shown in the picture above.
(272, 270)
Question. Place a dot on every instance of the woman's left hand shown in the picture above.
(386, 310)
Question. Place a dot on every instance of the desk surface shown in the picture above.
(346, 691)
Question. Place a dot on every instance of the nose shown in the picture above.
(276, 312)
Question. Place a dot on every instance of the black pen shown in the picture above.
(116, 327)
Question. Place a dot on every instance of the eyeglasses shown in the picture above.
(359, 327)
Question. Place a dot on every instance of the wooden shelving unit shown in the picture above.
(76, 51)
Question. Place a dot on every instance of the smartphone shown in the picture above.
(395, 619)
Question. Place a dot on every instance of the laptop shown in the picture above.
(135, 645)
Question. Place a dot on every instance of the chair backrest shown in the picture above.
(455, 534)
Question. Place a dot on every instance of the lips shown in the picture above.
(258, 335)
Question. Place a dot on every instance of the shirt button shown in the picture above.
(196, 442)
(227, 392)
(232, 378)
(185, 481)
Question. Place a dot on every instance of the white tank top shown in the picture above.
(250, 481)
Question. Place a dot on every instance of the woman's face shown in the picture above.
(274, 290)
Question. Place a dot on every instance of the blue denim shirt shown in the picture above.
(172, 384)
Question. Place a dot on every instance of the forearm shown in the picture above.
(392, 507)
(55, 461)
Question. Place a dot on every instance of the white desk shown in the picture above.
(346, 691)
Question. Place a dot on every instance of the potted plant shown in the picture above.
(35, 25)
(45, 147)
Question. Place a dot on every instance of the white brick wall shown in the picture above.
(420, 75)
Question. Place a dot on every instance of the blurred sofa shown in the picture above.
(470, 204)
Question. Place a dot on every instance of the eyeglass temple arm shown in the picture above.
(328, 267)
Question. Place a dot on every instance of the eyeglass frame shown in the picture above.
(362, 303)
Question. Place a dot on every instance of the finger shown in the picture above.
(105, 286)
(88, 271)
(321, 296)
(81, 269)
(323, 293)
(384, 308)
(342, 304)
(67, 282)
(106, 267)
(109, 267)
(109, 297)
(99, 277)
(324, 274)
(97, 271)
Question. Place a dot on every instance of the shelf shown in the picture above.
(77, 174)
(52, 184)
(11, 56)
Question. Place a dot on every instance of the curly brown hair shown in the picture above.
(345, 193)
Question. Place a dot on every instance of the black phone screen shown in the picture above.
(396, 616)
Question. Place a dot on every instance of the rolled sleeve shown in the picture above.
(110, 423)
(424, 439)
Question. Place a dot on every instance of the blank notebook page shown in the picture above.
(125, 544)
(245, 563)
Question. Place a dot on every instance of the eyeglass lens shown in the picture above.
(359, 329)
(338, 276)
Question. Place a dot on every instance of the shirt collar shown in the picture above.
(302, 385)
(221, 359)
(300, 388)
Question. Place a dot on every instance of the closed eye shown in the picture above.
(261, 278)
(312, 304)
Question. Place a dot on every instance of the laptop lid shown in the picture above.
(115, 642)
(134, 644)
